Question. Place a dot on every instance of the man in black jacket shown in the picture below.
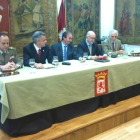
(37, 50)
(90, 46)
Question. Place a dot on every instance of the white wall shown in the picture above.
(58, 5)
(107, 16)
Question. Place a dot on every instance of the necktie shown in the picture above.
(65, 54)
(39, 54)
(113, 47)
(90, 49)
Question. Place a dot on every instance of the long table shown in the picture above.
(26, 95)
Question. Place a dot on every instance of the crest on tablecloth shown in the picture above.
(101, 82)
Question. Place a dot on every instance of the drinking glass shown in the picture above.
(131, 51)
(85, 55)
(125, 55)
(55, 60)
(46, 61)
(32, 64)
(109, 54)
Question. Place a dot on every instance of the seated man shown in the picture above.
(64, 50)
(8, 55)
(112, 44)
(90, 46)
(37, 50)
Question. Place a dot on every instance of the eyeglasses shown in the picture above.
(113, 36)
(93, 38)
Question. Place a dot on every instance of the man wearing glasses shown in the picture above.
(112, 44)
(90, 46)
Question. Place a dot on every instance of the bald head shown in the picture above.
(90, 36)
(90, 33)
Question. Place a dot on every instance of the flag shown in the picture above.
(101, 82)
(4, 16)
(61, 21)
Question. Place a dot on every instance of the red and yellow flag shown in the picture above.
(101, 82)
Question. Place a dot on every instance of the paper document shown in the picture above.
(47, 66)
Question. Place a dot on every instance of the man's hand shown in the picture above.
(8, 65)
(93, 57)
(120, 52)
(39, 66)
(12, 64)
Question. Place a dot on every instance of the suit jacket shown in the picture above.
(56, 50)
(107, 46)
(83, 47)
(9, 53)
(30, 52)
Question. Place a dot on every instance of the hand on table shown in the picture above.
(120, 52)
(39, 66)
(93, 57)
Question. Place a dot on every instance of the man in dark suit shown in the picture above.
(8, 55)
(37, 50)
(90, 46)
(64, 50)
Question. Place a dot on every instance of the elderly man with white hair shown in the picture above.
(112, 44)
(90, 46)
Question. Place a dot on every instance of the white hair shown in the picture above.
(37, 36)
(113, 31)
